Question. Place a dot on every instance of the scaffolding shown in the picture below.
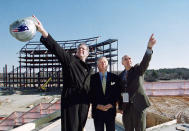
(39, 68)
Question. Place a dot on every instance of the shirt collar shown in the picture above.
(100, 73)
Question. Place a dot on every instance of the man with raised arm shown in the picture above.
(76, 78)
(134, 100)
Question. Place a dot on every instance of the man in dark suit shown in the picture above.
(134, 99)
(104, 94)
(74, 96)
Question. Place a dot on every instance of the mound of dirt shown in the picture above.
(171, 107)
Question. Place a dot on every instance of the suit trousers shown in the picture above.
(74, 117)
(133, 120)
(109, 124)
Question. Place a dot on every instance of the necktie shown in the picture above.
(104, 84)
(125, 75)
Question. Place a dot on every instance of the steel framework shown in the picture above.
(38, 67)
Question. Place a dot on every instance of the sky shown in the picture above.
(130, 21)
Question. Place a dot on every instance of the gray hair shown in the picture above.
(100, 58)
(124, 57)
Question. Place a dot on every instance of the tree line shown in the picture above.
(167, 74)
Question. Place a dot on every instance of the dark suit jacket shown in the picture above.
(134, 85)
(98, 97)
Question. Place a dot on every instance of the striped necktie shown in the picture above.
(104, 83)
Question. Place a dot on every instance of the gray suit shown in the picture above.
(134, 115)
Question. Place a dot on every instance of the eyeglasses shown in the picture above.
(81, 48)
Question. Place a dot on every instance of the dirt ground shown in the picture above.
(173, 107)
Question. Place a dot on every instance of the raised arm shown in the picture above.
(147, 57)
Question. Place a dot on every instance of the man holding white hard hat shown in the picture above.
(76, 72)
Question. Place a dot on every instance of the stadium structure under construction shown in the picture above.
(39, 68)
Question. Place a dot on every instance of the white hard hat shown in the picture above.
(23, 29)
